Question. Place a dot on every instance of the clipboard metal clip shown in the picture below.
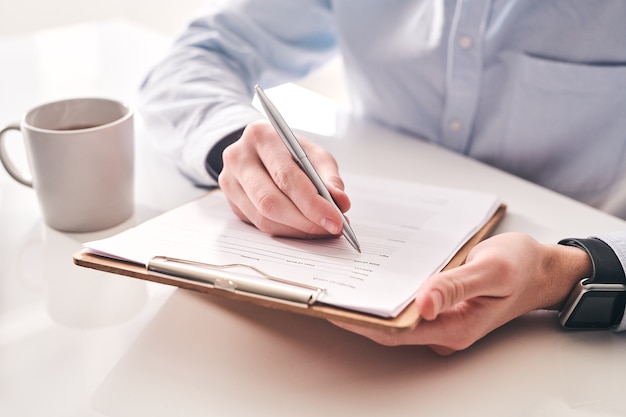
(222, 277)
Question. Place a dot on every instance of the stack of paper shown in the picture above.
(407, 232)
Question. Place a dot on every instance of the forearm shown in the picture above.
(190, 102)
(202, 90)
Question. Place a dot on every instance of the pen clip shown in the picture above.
(221, 277)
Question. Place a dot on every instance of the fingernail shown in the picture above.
(330, 226)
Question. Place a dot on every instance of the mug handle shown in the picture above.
(6, 160)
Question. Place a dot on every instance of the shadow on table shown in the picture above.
(203, 355)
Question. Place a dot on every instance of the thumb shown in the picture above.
(444, 290)
(429, 302)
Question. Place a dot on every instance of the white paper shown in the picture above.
(407, 232)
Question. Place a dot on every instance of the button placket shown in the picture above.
(463, 74)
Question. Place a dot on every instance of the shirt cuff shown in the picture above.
(617, 242)
(201, 141)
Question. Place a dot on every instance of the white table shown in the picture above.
(77, 342)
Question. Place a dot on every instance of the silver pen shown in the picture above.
(290, 141)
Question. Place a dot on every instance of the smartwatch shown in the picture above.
(596, 302)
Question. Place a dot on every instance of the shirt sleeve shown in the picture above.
(202, 90)
(617, 242)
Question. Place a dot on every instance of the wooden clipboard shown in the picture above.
(406, 320)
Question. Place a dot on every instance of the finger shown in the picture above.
(259, 202)
(295, 185)
(442, 291)
(440, 337)
(242, 206)
(442, 350)
(452, 331)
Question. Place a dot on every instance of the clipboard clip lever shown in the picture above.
(223, 277)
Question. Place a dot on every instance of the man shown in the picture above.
(534, 87)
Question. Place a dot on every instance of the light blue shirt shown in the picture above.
(534, 87)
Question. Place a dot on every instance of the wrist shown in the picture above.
(564, 268)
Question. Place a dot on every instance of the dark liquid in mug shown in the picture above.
(77, 127)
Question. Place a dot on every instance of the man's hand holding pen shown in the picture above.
(267, 188)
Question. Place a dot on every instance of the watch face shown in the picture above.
(593, 308)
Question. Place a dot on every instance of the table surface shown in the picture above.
(77, 342)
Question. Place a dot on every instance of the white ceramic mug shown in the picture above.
(81, 157)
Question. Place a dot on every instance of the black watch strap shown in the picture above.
(607, 269)
(596, 302)
(214, 162)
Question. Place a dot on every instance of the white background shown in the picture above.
(169, 17)
(23, 16)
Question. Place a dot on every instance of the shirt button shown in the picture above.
(466, 42)
(455, 125)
